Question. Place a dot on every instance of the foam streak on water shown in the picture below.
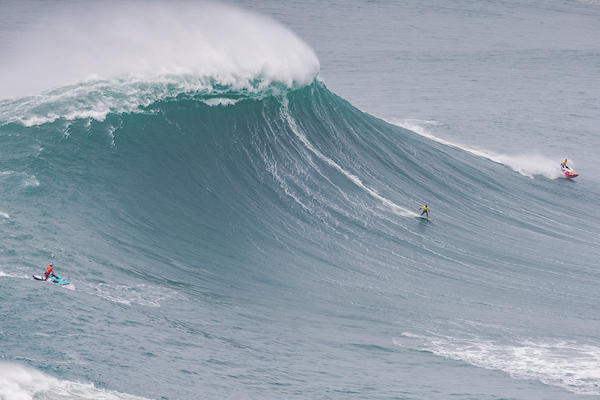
(525, 164)
(572, 365)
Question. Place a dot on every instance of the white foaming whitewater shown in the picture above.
(526, 164)
(22, 383)
(568, 364)
(118, 57)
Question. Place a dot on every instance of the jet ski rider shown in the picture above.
(48, 271)
(564, 164)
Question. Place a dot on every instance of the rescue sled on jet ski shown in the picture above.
(53, 278)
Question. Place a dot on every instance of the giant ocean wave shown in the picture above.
(295, 188)
(257, 186)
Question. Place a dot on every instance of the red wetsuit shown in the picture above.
(48, 271)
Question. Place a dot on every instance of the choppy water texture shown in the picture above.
(232, 192)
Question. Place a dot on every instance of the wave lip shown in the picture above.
(96, 98)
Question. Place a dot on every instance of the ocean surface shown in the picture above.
(231, 190)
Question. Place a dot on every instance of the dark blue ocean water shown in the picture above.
(232, 192)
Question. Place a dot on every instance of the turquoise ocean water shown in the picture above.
(232, 191)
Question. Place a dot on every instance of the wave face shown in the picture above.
(291, 209)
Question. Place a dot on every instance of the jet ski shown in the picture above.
(569, 173)
(53, 278)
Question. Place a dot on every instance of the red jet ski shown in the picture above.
(569, 173)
